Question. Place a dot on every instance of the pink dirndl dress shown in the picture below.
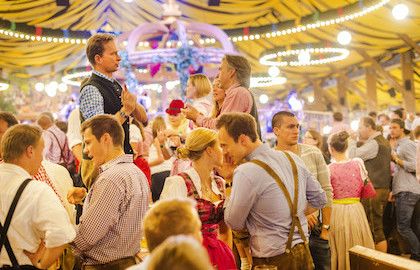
(220, 254)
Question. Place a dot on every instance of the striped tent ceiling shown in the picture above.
(376, 33)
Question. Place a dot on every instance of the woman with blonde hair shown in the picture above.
(159, 167)
(198, 90)
(202, 147)
(178, 253)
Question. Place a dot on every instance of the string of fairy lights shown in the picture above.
(274, 60)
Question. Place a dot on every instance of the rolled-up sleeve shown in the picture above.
(242, 198)
(91, 102)
(314, 193)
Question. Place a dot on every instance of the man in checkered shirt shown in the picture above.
(109, 233)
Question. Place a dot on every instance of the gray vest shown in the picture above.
(379, 168)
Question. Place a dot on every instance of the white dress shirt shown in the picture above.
(61, 179)
(39, 215)
(73, 130)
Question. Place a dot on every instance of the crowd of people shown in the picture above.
(199, 184)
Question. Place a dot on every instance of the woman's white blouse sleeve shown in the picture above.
(174, 188)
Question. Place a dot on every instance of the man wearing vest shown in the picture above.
(101, 93)
(376, 153)
(234, 76)
(270, 192)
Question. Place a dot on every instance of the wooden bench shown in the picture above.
(362, 258)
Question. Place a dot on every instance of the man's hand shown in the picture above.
(76, 195)
(36, 257)
(391, 197)
(312, 220)
(128, 100)
(191, 113)
(324, 234)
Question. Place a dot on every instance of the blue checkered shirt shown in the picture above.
(91, 100)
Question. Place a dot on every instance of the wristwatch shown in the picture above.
(325, 226)
(123, 114)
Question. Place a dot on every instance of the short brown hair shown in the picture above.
(101, 124)
(95, 46)
(9, 118)
(237, 124)
(242, 67)
(368, 122)
(338, 116)
(170, 217)
(278, 116)
(17, 139)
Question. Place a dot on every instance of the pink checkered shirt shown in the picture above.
(110, 226)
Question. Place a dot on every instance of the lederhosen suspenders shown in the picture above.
(292, 206)
(4, 241)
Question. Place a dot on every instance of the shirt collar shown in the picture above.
(16, 169)
(103, 75)
(126, 158)
(259, 150)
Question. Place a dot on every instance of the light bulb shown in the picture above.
(273, 71)
(354, 125)
(400, 11)
(39, 86)
(344, 37)
(304, 57)
(62, 87)
(311, 99)
(263, 99)
(326, 130)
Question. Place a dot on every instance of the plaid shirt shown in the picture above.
(110, 226)
(91, 100)
(43, 177)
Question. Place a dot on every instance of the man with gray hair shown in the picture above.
(234, 76)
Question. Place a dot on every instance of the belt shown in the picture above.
(278, 256)
(24, 267)
(112, 264)
(346, 201)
